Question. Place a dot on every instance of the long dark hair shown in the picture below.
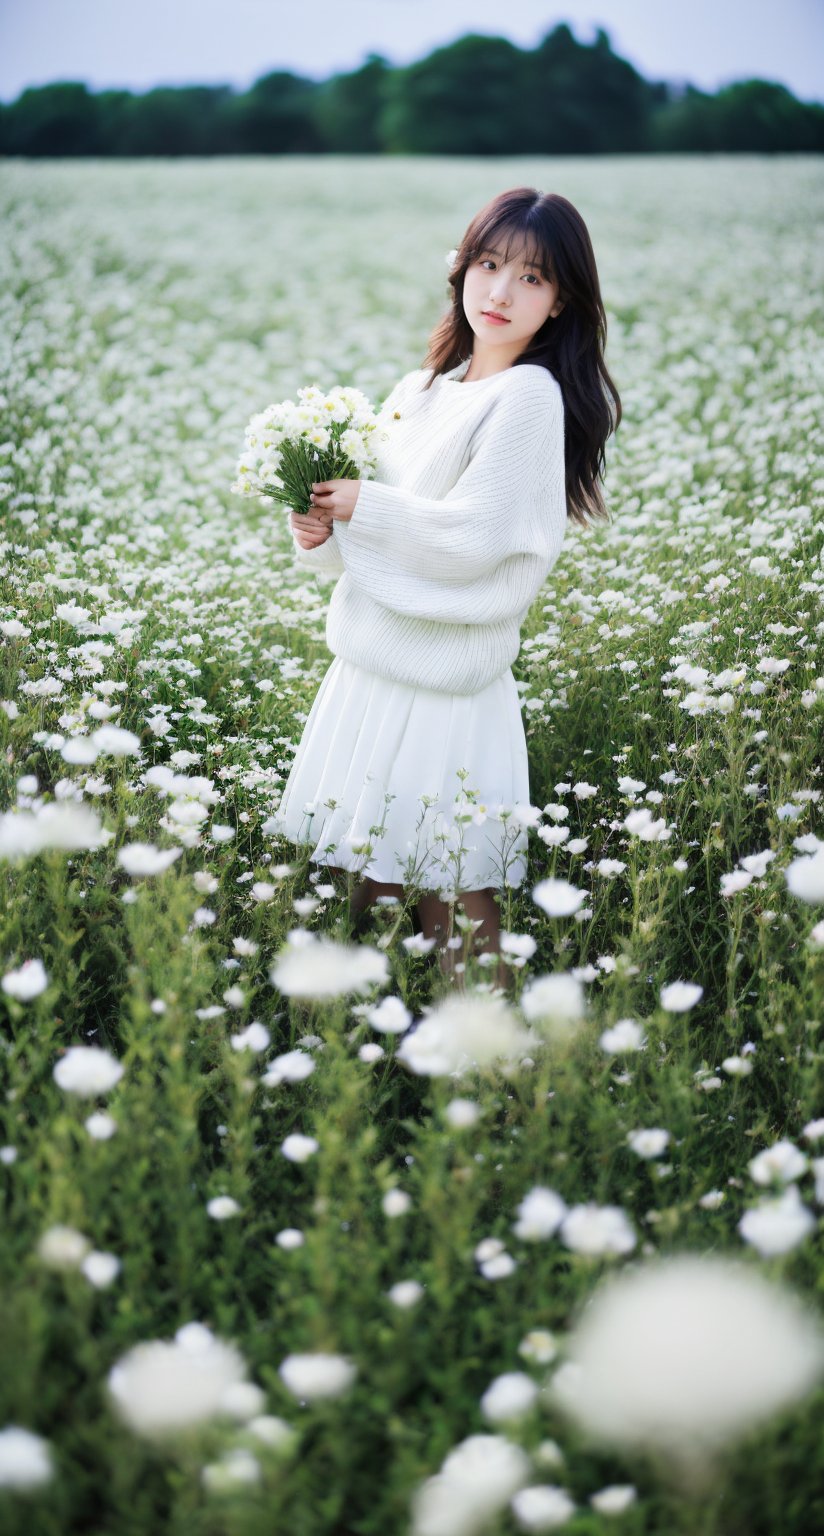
(571, 346)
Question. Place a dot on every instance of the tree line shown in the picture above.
(477, 96)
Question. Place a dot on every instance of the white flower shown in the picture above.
(299, 1148)
(805, 877)
(25, 1459)
(160, 1387)
(462, 1113)
(390, 1016)
(146, 858)
(597, 1229)
(548, 1453)
(100, 1126)
(242, 1400)
(405, 1293)
(396, 1202)
(312, 1377)
(66, 826)
(626, 1035)
(776, 1226)
(778, 1164)
(648, 1143)
(27, 982)
(63, 1247)
(540, 1214)
(238, 1465)
(813, 1130)
(737, 1066)
(712, 1199)
(464, 1032)
(538, 1345)
(686, 1353)
(371, 1052)
(510, 1396)
(272, 1430)
(613, 1499)
(289, 1238)
(100, 1269)
(222, 1207)
(557, 998)
(291, 1067)
(116, 742)
(543, 1507)
(87, 1070)
(475, 1483)
(680, 996)
(500, 1267)
(322, 969)
(557, 897)
(521, 945)
(254, 1038)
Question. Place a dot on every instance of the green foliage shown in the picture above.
(477, 96)
(127, 394)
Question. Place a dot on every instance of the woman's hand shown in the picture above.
(335, 498)
(310, 529)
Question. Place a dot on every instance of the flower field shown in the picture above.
(297, 1237)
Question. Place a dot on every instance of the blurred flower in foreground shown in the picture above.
(463, 1032)
(25, 1459)
(805, 877)
(685, 1354)
(476, 1481)
(556, 1003)
(27, 982)
(87, 1070)
(776, 1226)
(321, 968)
(161, 1387)
(310, 1377)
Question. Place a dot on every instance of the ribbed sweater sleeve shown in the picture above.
(481, 552)
(324, 557)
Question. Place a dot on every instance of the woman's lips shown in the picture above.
(494, 319)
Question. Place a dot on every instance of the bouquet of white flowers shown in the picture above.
(293, 445)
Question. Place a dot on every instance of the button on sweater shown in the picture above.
(450, 544)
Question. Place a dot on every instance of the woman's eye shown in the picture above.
(487, 261)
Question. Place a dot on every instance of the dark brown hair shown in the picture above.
(571, 346)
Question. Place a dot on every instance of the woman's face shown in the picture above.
(515, 290)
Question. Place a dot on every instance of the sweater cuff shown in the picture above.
(373, 516)
(324, 557)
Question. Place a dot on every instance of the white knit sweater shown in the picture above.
(448, 547)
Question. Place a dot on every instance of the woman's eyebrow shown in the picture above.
(534, 264)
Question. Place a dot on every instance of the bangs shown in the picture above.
(512, 242)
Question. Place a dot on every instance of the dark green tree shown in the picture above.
(584, 99)
(59, 119)
(275, 117)
(171, 121)
(757, 116)
(465, 99)
(347, 109)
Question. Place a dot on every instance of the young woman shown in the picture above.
(412, 768)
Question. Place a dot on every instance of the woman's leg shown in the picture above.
(479, 906)
(366, 893)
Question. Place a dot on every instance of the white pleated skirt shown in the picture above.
(410, 786)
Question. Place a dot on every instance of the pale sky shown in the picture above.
(208, 42)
